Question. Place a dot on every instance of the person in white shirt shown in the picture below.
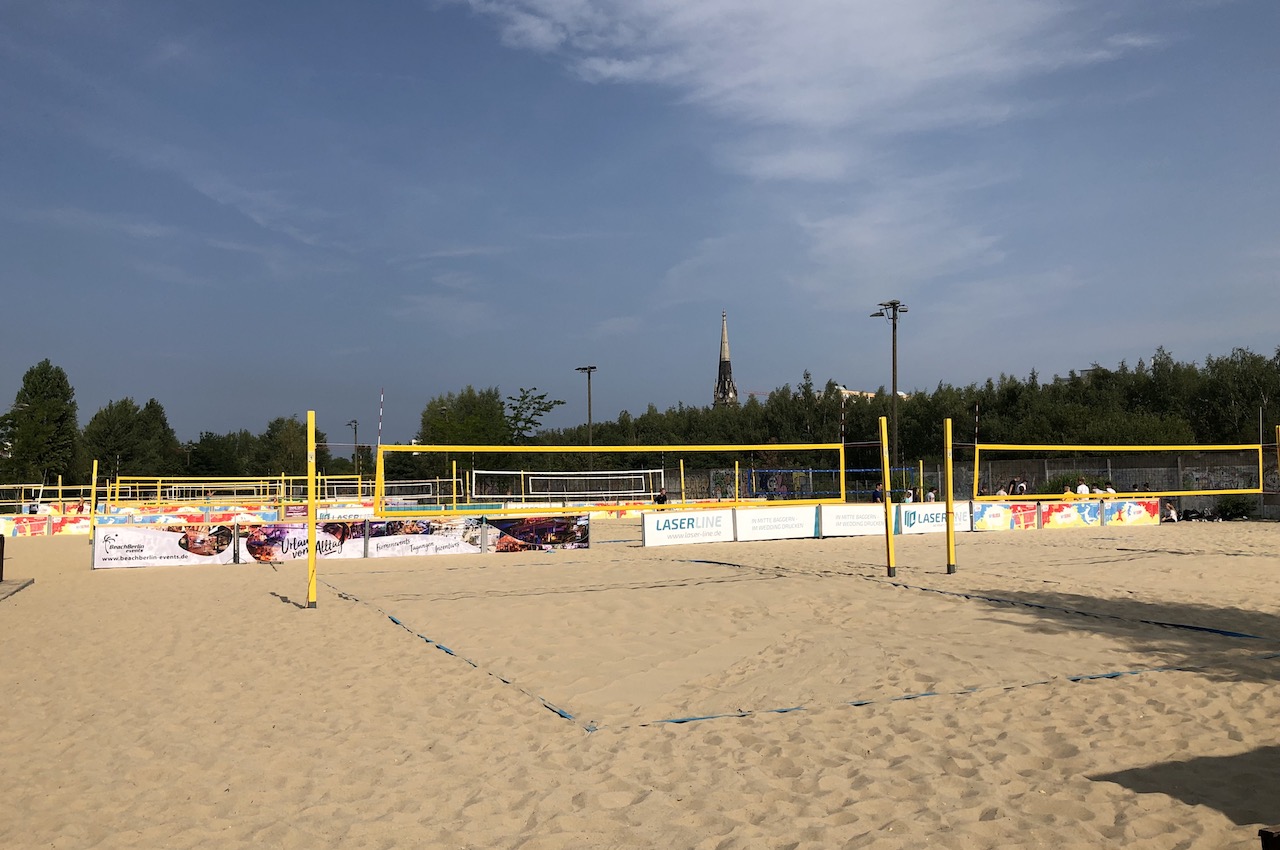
(907, 497)
(932, 495)
(1082, 489)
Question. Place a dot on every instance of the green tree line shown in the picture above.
(1164, 401)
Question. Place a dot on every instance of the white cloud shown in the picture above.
(82, 219)
(819, 64)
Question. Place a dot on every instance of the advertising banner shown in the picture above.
(520, 534)
(1004, 516)
(929, 517)
(775, 523)
(123, 546)
(850, 520)
(406, 538)
(24, 525)
(1142, 512)
(1070, 514)
(667, 528)
(288, 542)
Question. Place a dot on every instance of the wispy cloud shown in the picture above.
(860, 68)
(82, 219)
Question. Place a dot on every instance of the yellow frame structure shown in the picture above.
(379, 508)
(1018, 447)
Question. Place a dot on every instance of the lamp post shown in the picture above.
(355, 452)
(889, 311)
(588, 370)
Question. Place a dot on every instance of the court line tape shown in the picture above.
(589, 726)
(1114, 674)
(1077, 611)
(1016, 602)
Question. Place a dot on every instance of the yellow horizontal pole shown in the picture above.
(1063, 448)
(1093, 497)
(585, 509)
(732, 447)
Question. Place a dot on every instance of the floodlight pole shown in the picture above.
(355, 438)
(588, 370)
(889, 310)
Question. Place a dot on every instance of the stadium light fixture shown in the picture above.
(889, 311)
(355, 452)
(588, 370)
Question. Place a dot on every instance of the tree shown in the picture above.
(111, 438)
(128, 440)
(40, 431)
(282, 448)
(525, 412)
(161, 453)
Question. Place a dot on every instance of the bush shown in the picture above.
(1234, 507)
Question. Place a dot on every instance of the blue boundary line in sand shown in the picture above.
(1016, 602)
(1115, 674)
(1077, 611)
(591, 726)
(547, 704)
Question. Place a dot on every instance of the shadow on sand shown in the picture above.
(1242, 787)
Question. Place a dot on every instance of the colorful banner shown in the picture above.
(1004, 516)
(173, 545)
(1080, 514)
(508, 534)
(1143, 512)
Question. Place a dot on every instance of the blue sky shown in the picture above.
(248, 210)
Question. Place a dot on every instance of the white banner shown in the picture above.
(851, 520)
(126, 546)
(402, 545)
(775, 523)
(929, 517)
(666, 528)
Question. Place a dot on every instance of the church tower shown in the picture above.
(726, 392)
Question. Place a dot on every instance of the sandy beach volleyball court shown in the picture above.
(1110, 687)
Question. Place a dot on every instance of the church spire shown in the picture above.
(726, 391)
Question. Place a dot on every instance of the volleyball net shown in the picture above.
(534, 479)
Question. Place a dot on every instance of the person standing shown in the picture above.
(877, 495)
(661, 498)
(932, 495)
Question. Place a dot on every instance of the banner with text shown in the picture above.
(790, 523)
(667, 528)
(123, 546)
(850, 520)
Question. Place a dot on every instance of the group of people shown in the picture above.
(1083, 488)
(908, 495)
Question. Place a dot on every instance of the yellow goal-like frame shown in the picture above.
(1242, 447)
(379, 501)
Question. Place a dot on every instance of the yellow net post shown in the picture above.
(888, 496)
(736, 497)
(843, 495)
(951, 502)
(682, 477)
(453, 483)
(93, 501)
(311, 509)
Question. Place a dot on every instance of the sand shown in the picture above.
(182, 707)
